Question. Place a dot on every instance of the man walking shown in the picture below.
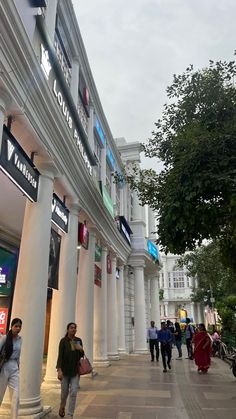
(153, 341)
(189, 332)
(165, 338)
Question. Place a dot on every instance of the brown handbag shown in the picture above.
(84, 366)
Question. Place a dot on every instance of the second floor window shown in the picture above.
(178, 279)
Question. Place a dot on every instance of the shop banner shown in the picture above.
(54, 257)
(3, 320)
(125, 229)
(107, 199)
(8, 262)
(109, 268)
(97, 276)
(98, 253)
(15, 163)
(60, 214)
(152, 250)
(83, 235)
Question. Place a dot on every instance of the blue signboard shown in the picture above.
(111, 159)
(100, 132)
(152, 249)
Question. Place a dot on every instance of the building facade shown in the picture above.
(74, 244)
(176, 287)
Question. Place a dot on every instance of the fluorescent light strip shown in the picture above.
(17, 184)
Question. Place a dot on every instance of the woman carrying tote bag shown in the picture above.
(69, 354)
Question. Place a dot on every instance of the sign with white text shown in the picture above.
(60, 214)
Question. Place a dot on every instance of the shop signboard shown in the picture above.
(8, 262)
(54, 257)
(60, 214)
(98, 253)
(125, 229)
(97, 276)
(109, 267)
(111, 159)
(3, 320)
(100, 132)
(152, 250)
(83, 235)
(15, 163)
(107, 199)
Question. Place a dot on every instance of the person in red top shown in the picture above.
(202, 349)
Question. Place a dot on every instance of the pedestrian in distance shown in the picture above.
(152, 339)
(171, 328)
(202, 349)
(178, 339)
(10, 349)
(165, 339)
(189, 333)
(69, 354)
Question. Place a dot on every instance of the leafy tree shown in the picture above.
(213, 280)
(195, 193)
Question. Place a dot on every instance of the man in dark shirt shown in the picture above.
(165, 338)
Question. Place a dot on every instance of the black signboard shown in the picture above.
(54, 256)
(60, 214)
(15, 163)
(125, 229)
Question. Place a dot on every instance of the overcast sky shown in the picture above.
(135, 46)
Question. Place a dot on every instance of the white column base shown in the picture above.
(122, 351)
(101, 363)
(51, 382)
(26, 413)
(141, 351)
(113, 357)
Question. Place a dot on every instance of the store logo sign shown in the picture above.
(60, 214)
(15, 163)
(45, 62)
(3, 276)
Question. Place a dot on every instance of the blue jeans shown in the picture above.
(178, 346)
(69, 386)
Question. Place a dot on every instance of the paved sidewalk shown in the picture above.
(135, 388)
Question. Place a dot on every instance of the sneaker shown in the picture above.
(165, 370)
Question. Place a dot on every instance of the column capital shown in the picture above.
(46, 167)
(75, 208)
(5, 100)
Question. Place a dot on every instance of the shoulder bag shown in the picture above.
(84, 366)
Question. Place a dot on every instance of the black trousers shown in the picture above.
(189, 347)
(165, 353)
(154, 345)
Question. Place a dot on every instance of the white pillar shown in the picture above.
(30, 294)
(148, 306)
(140, 345)
(137, 209)
(166, 308)
(85, 296)
(74, 85)
(121, 311)
(199, 313)
(100, 317)
(112, 313)
(155, 303)
(50, 18)
(151, 225)
(5, 101)
(64, 299)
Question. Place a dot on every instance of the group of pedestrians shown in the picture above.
(198, 343)
(69, 354)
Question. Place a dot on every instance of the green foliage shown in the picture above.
(213, 280)
(161, 294)
(195, 193)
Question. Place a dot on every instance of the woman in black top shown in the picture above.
(178, 339)
(69, 354)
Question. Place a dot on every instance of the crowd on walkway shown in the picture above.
(70, 352)
(198, 343)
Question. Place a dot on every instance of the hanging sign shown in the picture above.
(15, 163)
(60, 214)
(97, 276)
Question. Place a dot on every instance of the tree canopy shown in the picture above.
(195, 193)
(213, 280)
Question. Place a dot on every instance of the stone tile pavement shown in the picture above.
(135, 388)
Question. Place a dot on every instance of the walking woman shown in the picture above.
(202, 349)
(10, 348)
(69, 354)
